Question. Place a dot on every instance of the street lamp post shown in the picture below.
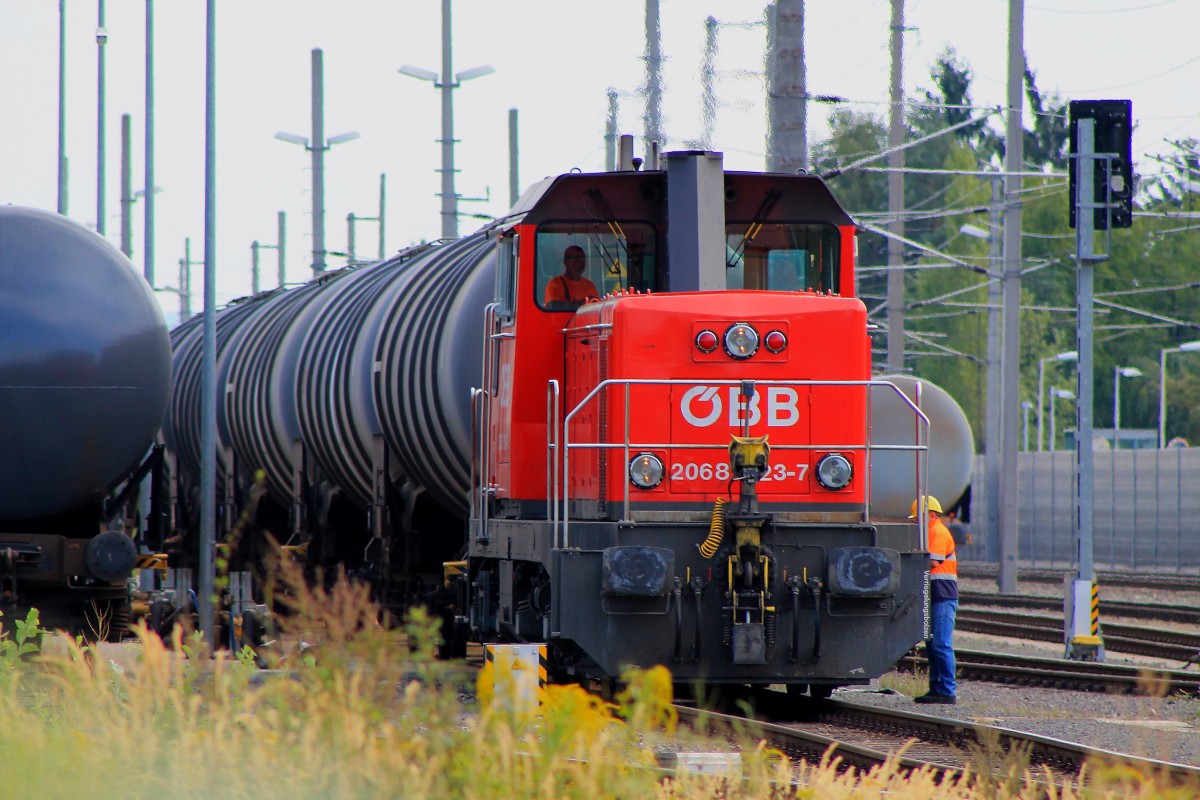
(448, 83)
(1065, 395)
(1186, 347)
(319, 144)
(1069, 355)
(1118, 373)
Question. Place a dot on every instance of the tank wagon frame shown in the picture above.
(690, 469)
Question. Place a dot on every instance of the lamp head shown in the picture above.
(284, 136)
(342, 137)
(418, 73)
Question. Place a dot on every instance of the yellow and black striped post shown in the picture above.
(514, 677)
(1083, 638)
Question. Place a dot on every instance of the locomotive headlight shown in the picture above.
(741, 341)
(646, 470)
(834, 471)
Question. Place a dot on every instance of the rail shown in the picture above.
(558, 439)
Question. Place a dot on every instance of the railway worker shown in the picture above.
(943, 592)
(571, 287)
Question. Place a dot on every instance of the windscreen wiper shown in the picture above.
(756, 225)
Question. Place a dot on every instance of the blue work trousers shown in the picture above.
(940, 647)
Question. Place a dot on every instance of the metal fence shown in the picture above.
(1146, 511)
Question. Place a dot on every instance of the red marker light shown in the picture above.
(707, 341)
(775, 341)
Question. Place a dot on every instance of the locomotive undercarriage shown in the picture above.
(788, 609)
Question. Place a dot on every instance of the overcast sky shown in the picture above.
(555, 61)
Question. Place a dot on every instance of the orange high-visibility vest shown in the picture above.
(945, 562)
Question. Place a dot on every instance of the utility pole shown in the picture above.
(787, 95)
(126, 189)
(708, 90)
(101, 40)
(895, 282)
(994, 432)
(654, 87)
(1010, 357)
(279, 246)
(318, 161)
(62, 107)
(514, 182)
(208, 372)
(611, 133)
(352, 218)
(317, 146)
(185, 281)
(448, 83)
(149, 190)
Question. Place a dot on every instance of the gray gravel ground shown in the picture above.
(1165, 728)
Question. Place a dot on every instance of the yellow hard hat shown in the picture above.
(931, 503)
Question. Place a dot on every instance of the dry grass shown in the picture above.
(363, 717)
(910, 683)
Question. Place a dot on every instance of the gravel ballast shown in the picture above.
(1164, 728)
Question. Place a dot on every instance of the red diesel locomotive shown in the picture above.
(678, 472)
(676, 469)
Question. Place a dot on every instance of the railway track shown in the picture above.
(1108, 608)
(1084, 676)
(1110, 578)
(865, 737)
(1151, 642)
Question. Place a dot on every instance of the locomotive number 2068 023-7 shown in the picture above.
(720, 471)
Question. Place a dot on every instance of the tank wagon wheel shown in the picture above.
(455, 632)
(259, 634)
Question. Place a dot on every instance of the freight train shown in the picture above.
(677, 456)
(85, 364)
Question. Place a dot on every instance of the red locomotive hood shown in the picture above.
(653, 332)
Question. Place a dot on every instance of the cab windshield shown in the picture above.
(782, 257)
(573, 258)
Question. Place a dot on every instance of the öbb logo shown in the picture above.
(702, 406)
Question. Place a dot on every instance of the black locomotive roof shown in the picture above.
(642, 195)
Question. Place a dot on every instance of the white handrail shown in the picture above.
(561, 520)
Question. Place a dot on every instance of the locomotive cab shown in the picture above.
(676, 470)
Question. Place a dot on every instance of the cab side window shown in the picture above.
(506, 276)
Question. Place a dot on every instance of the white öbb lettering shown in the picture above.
(702, 406)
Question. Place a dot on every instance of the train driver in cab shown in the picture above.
(571, 288)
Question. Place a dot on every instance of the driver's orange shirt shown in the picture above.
(563, 289)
